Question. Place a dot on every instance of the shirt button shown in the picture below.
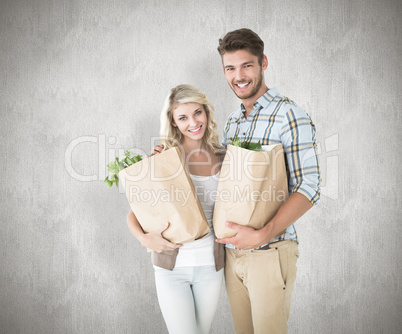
(244, 133)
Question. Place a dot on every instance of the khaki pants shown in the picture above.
(259, 285)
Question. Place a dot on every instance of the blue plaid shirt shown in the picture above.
(276, 119)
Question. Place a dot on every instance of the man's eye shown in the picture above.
(229, 69)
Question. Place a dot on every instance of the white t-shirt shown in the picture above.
(201, 252)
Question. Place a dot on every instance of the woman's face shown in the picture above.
(191, 119)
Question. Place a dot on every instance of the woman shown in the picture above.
(188, 295)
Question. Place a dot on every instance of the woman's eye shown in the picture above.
(182, 118)
(198, 112)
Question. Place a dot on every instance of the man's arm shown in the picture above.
(298, 140)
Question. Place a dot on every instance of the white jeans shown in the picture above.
(188, 297)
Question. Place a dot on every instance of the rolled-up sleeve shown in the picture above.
(298, 139)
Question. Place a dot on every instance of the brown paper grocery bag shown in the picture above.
(159, 190)
(252, 186)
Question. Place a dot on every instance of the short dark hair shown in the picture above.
(242, 39)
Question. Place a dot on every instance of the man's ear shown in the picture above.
(223, 65)
(264, 63)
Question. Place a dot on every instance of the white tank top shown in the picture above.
(201, 252)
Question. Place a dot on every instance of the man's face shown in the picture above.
(244, 74)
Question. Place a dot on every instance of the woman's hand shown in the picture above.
(152, 240)
(156, 242)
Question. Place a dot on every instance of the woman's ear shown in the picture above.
(174, 124)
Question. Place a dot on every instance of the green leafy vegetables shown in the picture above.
(247, 145)
(116, 166)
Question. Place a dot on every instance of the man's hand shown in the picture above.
(246, 237)
(158, 149)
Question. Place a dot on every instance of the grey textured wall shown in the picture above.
(82, 80)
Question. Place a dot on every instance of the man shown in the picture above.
(261, 264)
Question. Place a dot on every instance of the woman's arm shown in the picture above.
(152, 240)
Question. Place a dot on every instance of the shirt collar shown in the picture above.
(262, 102)
(268, 97)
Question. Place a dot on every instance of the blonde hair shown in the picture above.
(170, 135)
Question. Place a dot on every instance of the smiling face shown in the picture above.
(191, 119)
(244, 74)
